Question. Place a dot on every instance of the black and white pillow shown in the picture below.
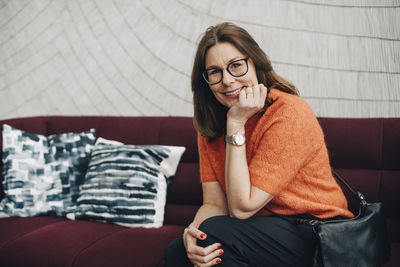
(127, 184)
(42, 174)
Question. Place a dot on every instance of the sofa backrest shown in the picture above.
(366, 152)
(184, 195)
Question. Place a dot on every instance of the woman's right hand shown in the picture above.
(199, 256)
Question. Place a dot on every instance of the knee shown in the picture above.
(223, 230)
(216, 228)
(214, 224)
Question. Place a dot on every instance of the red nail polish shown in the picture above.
(202, 236)
(221, 252)
(218, 261)
(219, 245)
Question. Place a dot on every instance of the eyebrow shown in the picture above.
(229, 62)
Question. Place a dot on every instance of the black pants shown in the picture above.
(257, 241)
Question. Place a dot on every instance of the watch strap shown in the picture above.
(229, 139)
(232, 139)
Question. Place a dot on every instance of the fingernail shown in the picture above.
(202, 236)
(221, 252)
(218, 261)
(219, 245)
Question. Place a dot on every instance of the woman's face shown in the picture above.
(227, 91)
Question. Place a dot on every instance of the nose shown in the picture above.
(227, 78)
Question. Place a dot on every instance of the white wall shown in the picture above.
(134, 57)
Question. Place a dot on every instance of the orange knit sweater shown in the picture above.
(287, 157)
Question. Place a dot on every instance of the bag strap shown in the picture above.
(294, 220)
(357, 194)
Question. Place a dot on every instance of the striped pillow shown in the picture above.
(127, 184)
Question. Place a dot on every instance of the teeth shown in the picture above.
(234, 92)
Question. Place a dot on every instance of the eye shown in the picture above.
(236, 64)
(213, 71)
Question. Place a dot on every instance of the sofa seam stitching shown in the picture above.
(93, 243)
(381, 150)
(159, 132)
(26, 234)
(382, 162)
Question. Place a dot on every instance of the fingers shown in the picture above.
(264, 92)
(256, 91)
(200, 256)
(254, 96)
(249, 91)
(251, 100)
(193, 231)
(207, 264)
(207, 256)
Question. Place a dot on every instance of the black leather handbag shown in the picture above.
(361, 241)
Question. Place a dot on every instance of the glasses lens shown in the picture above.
(238, 68)
(213, 75)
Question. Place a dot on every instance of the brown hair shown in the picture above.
(209, 114)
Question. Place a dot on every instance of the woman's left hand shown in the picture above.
(251, 101)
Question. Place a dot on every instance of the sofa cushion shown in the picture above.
(55, 243)
(41, 174)
(131, 247)
(127, 184)
(13, 228)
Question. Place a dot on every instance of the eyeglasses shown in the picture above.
(236, 68)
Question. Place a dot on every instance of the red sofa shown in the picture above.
(365, 151)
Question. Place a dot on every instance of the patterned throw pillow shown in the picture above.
(42, 174)
(127, 184)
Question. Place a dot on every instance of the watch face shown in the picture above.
(239, 139)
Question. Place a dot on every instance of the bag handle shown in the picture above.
(357, 194)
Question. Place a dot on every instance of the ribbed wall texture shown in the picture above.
(134, 57)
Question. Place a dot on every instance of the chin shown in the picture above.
(230, 103)
(226, 101)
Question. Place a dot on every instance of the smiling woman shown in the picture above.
(239, 73)
(260, 145)
(219, 52)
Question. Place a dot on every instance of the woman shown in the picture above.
(260, 145)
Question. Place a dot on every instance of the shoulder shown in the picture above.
(289, 113)
(288, 105)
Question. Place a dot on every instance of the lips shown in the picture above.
(233, 92)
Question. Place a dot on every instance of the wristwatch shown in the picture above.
(238, 139)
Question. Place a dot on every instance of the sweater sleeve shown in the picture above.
(206, 172)
(289, 139)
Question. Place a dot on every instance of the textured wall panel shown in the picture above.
(134, 57)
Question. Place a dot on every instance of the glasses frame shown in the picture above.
(246, 59)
